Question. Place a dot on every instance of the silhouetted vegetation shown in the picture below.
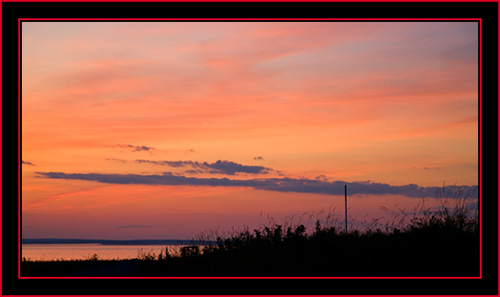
(439, 243)
(432, 242)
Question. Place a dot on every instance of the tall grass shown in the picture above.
(430, 240)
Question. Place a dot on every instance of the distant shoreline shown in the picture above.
(109, 242)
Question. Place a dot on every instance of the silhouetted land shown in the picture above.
(107, 242)
(434, 244)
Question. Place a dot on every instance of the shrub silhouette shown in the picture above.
(434, 242)
(442, 242)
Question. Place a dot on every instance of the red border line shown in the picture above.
(480, 89)
(480, 162)
(252, 1)
(1, 146)
(252, 277)
(19, 138)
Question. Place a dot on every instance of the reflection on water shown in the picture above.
(86, 251)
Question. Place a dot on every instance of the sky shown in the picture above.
(165, 130)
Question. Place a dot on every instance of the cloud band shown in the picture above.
(219, 167)
(270, 184)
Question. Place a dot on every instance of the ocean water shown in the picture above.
(47, 252)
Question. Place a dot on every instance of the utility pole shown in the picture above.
(345, 194)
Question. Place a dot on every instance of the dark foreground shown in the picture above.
(434, 246)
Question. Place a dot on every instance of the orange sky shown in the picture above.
(117, 103)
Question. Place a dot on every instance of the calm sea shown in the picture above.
(85, 251)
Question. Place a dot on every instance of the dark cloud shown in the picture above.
(168, 163)
(427, 168)
(118, 160)
(271, 184)
(135, 148)
(167, 178)
(219, 167)
(322, 177)
(27, 163)
(258, 158)
(230, 168)
(279, 172)
(193, 171)
(432, 168)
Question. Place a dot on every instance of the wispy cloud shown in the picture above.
(189, 151)
(427, 168)
(133, 226)
(169, 163)
(117, 160)
(135, 148)
(271, 184)
(228, 167)
(27, 163)
(321, 177)
(432, 168)
(219, 167)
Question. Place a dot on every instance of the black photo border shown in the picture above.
(486, 12)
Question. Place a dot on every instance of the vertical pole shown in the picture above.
(345, 194)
